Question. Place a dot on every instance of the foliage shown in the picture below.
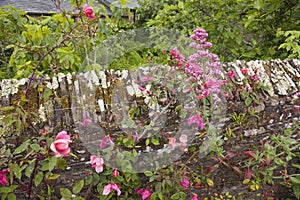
(291, 42)
(240, 29)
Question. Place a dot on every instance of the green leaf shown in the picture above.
(155, 141)
(47, 94)
(38, 178)
(22, 147)
(248, 101)
(52, 176)
(78, 187)
(52, 163)
(296, 165)
(7, 189)
(296, 190)
(29, 171)
(11, 196)
(148, 173)
(295, 180)
(17, 171)
(175, 196)
(65, 193)
(61, 163)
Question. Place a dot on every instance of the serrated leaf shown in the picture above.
(38, 178)
(52, 163)
(22, 147)
(78, 187)
(148, 173)
(248, 101)
(65, 193)
(11, 196)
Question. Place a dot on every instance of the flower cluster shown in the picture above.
(3, 180)
(146, 193)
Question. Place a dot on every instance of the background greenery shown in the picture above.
(246, 30)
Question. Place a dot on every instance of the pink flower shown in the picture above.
(197, 119)
(195, 197)
(297, 107)
(174, 52)
(231, 74)
(254, 78)
(88, 10)
(3, 180)
(97, 163)
(60, 146)
(115, 173)
(104, 141)
(85, 120)
(172, 142)
(244, 71)
(226, 95)
(142, 88)
(185, 183)
(146, 194)
(207, 45)
(110, 187)
(298, 94)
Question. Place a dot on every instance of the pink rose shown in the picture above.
(231, 74)
(244, 71)
(88, 10)
(110, 187)
(97, 163)
(115, 173)
(60, 146)
(3, 180)
(195, 197)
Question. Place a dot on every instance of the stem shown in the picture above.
(40, 61)
(32, 176)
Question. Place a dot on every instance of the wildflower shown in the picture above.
(247, 87)
(244, 71)
(146, 194)
(207, 45)
(172, 142)
(3, 180)
(104, 141)
(60, 146)
(110, 187)
(196, 119)
(185, 183)
(298, 94)
(88, 11)
(85, 120)
(97, 163)
(231, 74)
(174, 52)
(226, 95)
(115, 173)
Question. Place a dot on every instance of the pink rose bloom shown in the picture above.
(195, 197)
(172, 142)
(97, 163)
(174, 52)
(231, 74)
(110, 187)
(60, 146)
(185, 183)
(3, 180)
(146, 194)
(244, 71)
(88, 11)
